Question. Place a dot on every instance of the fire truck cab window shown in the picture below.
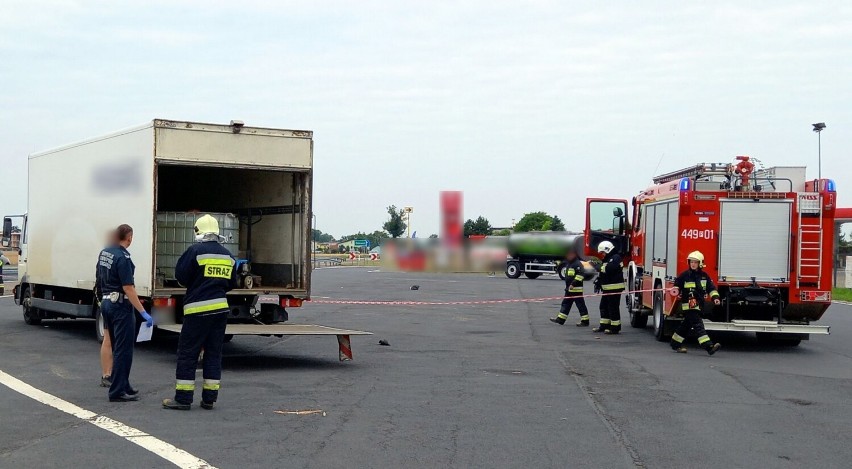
(606, 216)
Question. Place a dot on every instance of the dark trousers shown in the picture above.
(120, 319)
(611, 310)
(207, 331)
(692, 324)
(575, 298)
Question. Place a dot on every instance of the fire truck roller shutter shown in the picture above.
(755, 240)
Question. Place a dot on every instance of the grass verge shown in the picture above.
(842, 294)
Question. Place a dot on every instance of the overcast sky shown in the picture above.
(523, 106)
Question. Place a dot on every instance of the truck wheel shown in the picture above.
(99, 325)
(638, 316)
(562, 269)
(659, 317)
(513, 270)
(30, 314)
(532, 275)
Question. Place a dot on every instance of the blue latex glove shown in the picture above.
(147, 317)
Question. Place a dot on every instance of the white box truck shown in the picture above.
(158, 178)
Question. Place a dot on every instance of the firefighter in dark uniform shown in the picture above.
(611, 284)
(573, 292)
(692, 285)
(207, 270)
(119, 300)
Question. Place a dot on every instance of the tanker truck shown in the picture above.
(535, 253)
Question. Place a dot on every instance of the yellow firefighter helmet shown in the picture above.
(206, 224)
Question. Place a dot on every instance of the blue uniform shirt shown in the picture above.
(115, 270)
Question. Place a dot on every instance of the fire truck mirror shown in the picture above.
(617, 212)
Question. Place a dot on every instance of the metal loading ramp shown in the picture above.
(344, 346)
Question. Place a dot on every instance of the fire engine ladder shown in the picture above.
(809, 259)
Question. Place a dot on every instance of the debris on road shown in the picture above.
(301, 412)
(384, 342)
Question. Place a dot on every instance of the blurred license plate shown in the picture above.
(273, 299)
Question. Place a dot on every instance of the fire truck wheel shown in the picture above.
(513, 270)
(531, 275)
(562, 269)
(659, 318)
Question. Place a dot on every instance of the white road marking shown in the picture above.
(169, 452)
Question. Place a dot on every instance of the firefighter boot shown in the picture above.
(677, 343)
(584, 321)
(713, 348)
(560, 318)
(175, 405)
(603, 327)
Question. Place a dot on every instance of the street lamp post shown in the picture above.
(818, 127)
(314, 238)
(408, 211)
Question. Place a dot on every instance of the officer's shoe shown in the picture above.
(559, 321)
(207, 405)
(175, 405)
(713, 348)
(583, 324)
(601, 329)
(132, 392)
(106, 381)
(681, 349)
(124, 398)
(611, 331)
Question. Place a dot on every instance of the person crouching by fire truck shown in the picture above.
(691, 286)
(573, 292)
(611, 283)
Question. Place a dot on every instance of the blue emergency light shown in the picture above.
(684, 184)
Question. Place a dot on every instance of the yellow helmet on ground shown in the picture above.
(206, 224)
(696, 256)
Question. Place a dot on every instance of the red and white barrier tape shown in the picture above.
(480, 302)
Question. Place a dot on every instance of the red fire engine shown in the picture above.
(766, 235)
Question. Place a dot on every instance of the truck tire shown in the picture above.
(99, 325)
(532, 275)
(659, 318)
(513, 270)
(31, 316)
(638, 315)
(562, 270)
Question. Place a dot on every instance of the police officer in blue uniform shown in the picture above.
(207, 270)
(115, 277)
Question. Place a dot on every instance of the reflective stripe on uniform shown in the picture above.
(685, 307)
(605, 321)
(615, 323)
(578, 277)
(703, 339)
(570, 273)
(688, 284)
(677, 338)
(184, 385)
(205, 306)
(214, 259)
(211, 385)
(714, 294)
(562, 316)
(613, 286)
(575, 290)
(584, 318)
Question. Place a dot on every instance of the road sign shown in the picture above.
(374, 256)
(351, 256)
(362, 242)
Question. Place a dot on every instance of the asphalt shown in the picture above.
(494, 385)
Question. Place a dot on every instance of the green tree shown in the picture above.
(479, 227)
(375, 238)
(395, 224)
(321, 237)
(556, 224)
(502, 233)
(534, 221)
(539, 221)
